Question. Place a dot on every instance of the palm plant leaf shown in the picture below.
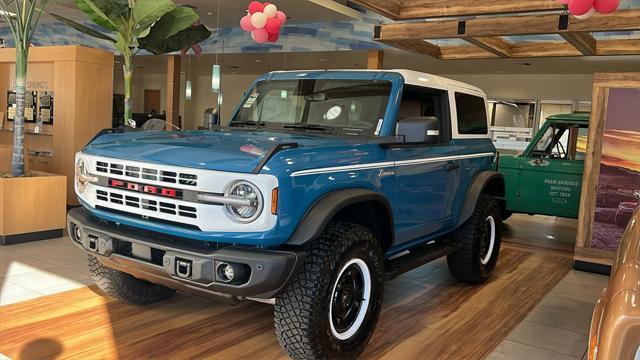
(97, 11)
(83, 29)
(182, 40)
(147, 12)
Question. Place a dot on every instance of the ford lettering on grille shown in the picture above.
(147, 189)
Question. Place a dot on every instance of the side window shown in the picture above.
(424, 102)
(561, 141)
(472, 114)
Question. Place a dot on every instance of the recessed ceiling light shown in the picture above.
(257, 60)
(209, 13)
(323, 60)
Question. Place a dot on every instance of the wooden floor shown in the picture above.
(426, 315)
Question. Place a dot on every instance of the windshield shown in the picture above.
(347, 107)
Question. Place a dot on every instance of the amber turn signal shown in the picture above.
(274, 201)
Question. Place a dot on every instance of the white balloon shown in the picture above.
(258, 20)
(587, 15)
(270, 11)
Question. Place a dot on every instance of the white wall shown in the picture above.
(545, 86)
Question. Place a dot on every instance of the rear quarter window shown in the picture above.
(472, 114)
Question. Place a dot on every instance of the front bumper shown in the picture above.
(187, 268)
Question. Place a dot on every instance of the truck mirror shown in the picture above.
(423, 129)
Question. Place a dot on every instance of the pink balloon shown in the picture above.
(274, 37)
(255, 6)
(245, 23)
(282, 17)
(273, 26)
(606, 6)
(580, 7)
(260, 36)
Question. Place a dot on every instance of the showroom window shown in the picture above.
(472, 114)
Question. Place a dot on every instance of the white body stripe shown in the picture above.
(386, 164)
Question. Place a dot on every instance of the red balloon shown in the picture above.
(260, 36)
(255, 6)
(606, 6)
(273, 26)
(274, 37)
(580, 7)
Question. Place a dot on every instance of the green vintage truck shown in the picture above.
(546, 178)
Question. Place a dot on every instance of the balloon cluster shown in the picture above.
(263, 21)
(583, 9)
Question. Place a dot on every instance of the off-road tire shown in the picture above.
(466, 264)
(124, 286)
(506, 214)
(302, 316)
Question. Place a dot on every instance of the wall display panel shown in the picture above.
(611, 182)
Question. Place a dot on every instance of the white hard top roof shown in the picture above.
(412, 78)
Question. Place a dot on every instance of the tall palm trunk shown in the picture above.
(17, 164)
(128, 88)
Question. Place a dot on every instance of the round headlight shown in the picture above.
(81, 174)
(249, 205)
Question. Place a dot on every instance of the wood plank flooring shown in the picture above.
(426, 315)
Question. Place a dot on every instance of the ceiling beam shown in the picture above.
(618, 47)
(418, 9)
(339, 8)
(494, 45)
(583, 42)
(541, 50)
(388, 8)
(465, 52)
(416, 46)
(622, 20)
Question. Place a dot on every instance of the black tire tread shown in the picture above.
(297, 309)
(464, 264)
(125, 287)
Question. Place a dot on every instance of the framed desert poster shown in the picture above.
(611, 181)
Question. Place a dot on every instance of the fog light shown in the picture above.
(232, 273)
(225, 272)
(76, 233)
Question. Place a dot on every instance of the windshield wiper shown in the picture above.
(247, 123)
(324, 129)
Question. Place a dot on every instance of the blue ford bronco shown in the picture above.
(323, 185)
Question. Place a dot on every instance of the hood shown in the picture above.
(223, 150)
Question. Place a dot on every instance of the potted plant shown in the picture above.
(32, 204)
(158, 26)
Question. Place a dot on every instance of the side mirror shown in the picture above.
(211, 119)
(424, 129)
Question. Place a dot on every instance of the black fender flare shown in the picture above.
(476, 189)
(325, 208)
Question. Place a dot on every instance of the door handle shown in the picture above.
(452, 166)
